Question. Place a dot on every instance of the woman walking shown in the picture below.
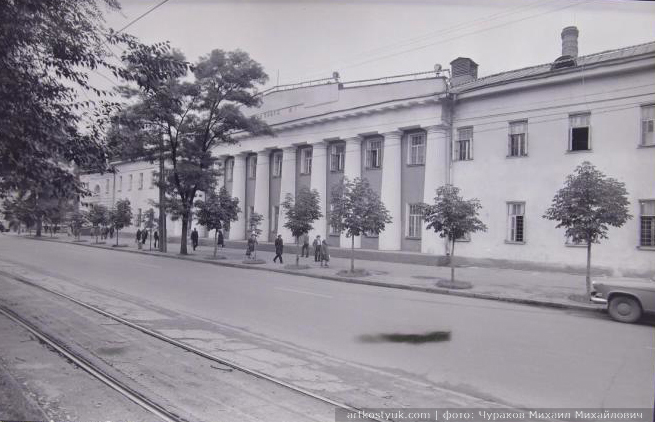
(325, 253)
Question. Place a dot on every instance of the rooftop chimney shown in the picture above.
(570, 41)
(463, 70)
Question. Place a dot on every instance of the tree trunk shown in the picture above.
(352, 254)
(452, 262)
(215, 241)
(588, 277)
(96, 230)
(39, 226)
(116, 237)
(162, 198)
(297, 249)
(185, 228)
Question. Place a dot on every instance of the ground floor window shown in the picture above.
(647, 223)
(334, 230)
(276, 216)
(516, 222)
(414, 220)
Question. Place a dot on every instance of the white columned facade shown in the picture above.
(238, 228)
(352, 170)
(390, 238)
(319, 182)
(436, 170)
(287, 185)
(262, 183)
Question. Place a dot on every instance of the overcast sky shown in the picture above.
(302, 40)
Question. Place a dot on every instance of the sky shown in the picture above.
(298, 40)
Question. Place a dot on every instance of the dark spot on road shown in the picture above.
(431, 337)
(111, 351)
(425, 277)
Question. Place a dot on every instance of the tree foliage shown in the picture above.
(301, 211)
(98, 216)
(217, 211)
(121, 215)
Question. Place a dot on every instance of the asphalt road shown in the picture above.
(515, 354)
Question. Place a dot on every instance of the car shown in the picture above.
(626, 299)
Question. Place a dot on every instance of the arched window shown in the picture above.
(96, 190)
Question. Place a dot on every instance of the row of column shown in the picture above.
(436, 174)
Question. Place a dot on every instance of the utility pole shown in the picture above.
(162, 198)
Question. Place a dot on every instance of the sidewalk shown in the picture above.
(552, 289)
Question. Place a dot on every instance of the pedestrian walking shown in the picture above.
(317, 249)
(144, 236)
(305, 246)
(138, 238)
(111, 232)
(250, 249)
(194, 238)
(155, 236)
(221, 240)
(279, 248)
(325, 253)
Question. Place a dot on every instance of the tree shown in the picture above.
(121, 216)
(216, 212)
(98, 216)
(301, 213)
(184, 120)
(149, 224)
(77, 221)
(587, 205)
(254, 222)
(357, 210)
(452, 217)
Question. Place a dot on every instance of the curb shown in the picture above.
(432, 290)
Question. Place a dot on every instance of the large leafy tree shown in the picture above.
(182, 119)
(357, 209)
(217, 211)
(300, 213)
(121, 216)
(587, 205)
(452, 217)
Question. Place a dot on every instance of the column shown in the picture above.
(287, 185)
(262, 180)
(390, 238)
(319, 182)
(352, 169)
(436, 169)
(238, 228)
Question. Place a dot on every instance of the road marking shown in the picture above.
(303, 292)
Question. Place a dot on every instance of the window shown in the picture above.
(306, 161)
(414, 221)
(277, 165)
(416, 153)
(275, 214)
(129, 186)
(337, 156)
(96, 190)
(120, 183)
(516, 222)
(140, 181)
(249, 213)
(252, 167)
(647, 223)
(229, 170)
(374, 154)
(647, 117)
(106, 185)
(333, 229)
(153, 179)
(579, 139)
(518, 142)
(464, 144)
(138, 218)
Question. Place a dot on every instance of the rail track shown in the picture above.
(125, 390)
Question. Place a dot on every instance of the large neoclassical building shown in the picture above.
(508, 139)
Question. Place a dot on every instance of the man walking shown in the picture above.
(305, 246)
(155, 236)
(279, 248)
(144, 236)
(138, 238)
(221, 239)
(194, 238)
(317, 248)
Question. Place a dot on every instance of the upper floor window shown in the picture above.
(229, 170)
(416, 153)
(252, 167)
(337, 153)
(306, 161)
(374, 153)
(647, 223)
(153, 179)
(647, 117)
(129, 185)
(414, 220)
(516, 222)
(464, 144)
(579, 134)
(518, 141)
(120, 183)
(277, 165)
(140, 181)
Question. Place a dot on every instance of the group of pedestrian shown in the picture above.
(141, 237)
(321, 249)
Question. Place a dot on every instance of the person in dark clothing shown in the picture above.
(305, 246)
(194, 238)
(250, 251)
(279, 248)
(155, 236)
(111, 232)
(221, 240)
(317, 249)
(325, 253)
(144, 236)
(138, 238)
